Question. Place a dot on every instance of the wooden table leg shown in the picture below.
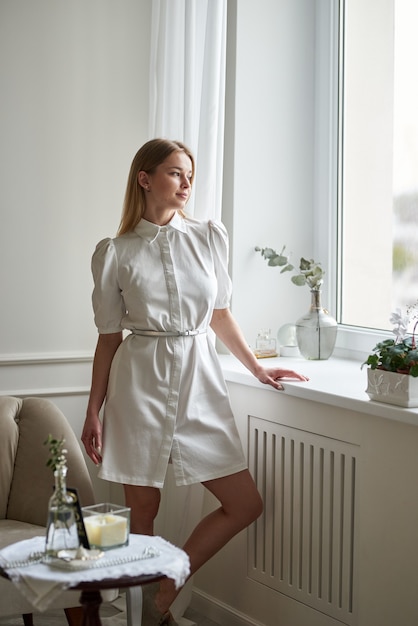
(74, 615)
(91, 601)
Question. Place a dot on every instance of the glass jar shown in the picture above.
(265, 345)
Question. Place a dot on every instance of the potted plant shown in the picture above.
(392, 373)
(316, 331)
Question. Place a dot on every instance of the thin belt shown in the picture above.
(169, 333)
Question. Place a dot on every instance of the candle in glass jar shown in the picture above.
(105, 530)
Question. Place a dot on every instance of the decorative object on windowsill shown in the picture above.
(265, 345)
(62, 529)
(316, 332)
(288, 343)
(392, 375)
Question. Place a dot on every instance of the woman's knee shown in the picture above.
(238, 496)
(245, 509)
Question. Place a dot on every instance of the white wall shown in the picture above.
(74, 111)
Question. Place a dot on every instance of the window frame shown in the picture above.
(352, 342)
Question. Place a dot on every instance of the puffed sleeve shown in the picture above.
(220, 251)
(108, 304)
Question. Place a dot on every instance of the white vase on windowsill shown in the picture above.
(392, 388)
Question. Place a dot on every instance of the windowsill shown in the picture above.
(337, 382)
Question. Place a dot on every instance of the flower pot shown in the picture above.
(392, 388)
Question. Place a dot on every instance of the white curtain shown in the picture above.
(187, 99)
(187, 89)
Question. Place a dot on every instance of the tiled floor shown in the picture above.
(110, 616)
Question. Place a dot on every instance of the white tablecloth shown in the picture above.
(41, 583)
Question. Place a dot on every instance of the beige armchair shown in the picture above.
(26, 486)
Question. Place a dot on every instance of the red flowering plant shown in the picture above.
(401, 353)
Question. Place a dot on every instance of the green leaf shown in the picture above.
(298, 280)
(277, 260)
(317, 270)
(268, 252)
(305, 265)
(414, 370)
(373, 361)
(57, 452)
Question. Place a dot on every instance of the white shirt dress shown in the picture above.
(166, 399)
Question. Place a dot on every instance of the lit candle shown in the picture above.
(106, 530)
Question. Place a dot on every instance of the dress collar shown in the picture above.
(150, 231)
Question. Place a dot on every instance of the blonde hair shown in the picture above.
(152, 154)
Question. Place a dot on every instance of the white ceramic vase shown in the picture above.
(392, 388)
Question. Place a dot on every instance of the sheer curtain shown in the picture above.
(187, 98)
(187, 89)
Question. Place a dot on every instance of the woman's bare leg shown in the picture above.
(144, 503)
(241, 504)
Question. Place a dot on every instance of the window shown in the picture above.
(378, 161)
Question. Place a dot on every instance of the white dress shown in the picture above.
(166, 398)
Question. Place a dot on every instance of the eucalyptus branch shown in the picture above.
(310, 272)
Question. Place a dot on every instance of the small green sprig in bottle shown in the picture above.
(57, 452)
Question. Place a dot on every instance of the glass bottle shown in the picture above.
(316, 331)
(265, 345)
(62, 532)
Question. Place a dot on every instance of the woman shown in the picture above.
(164, 278)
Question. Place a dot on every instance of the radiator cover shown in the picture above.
(304, 545)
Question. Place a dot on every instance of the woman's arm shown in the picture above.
(228, 331)
(103, 356)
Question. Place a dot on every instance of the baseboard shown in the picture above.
(218, 611)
